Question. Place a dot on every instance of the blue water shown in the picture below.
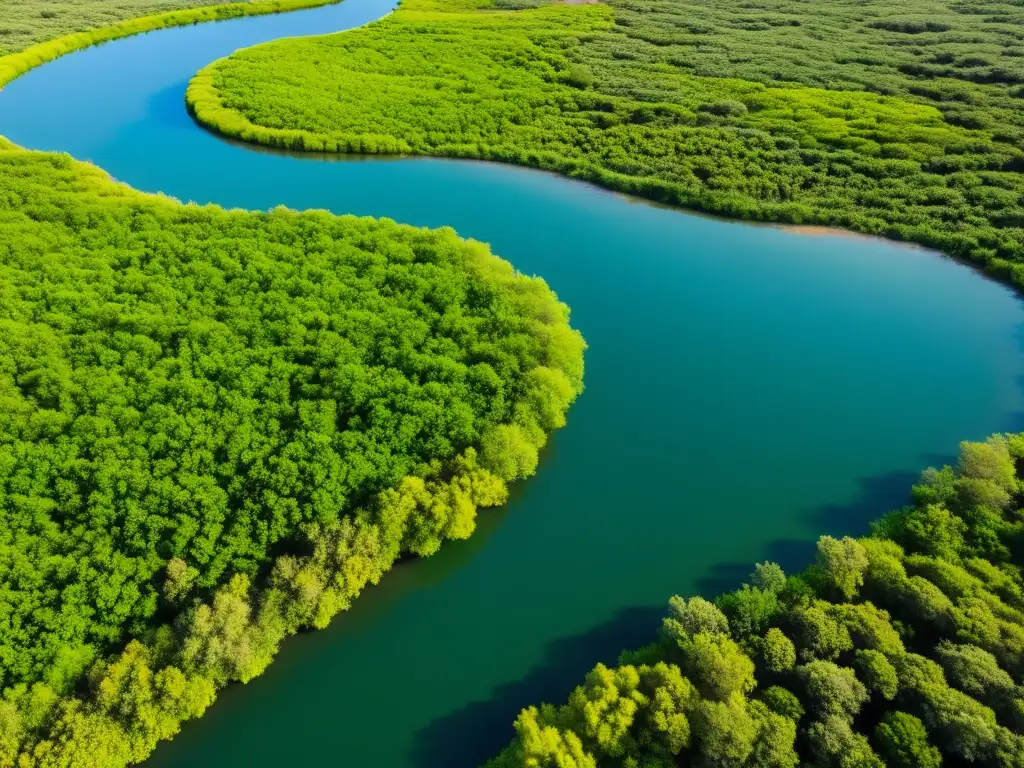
(748, 388)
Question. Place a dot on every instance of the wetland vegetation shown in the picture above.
(219, 426)
(903, 121)
(23, 24)
(37, 31)
(903, 649)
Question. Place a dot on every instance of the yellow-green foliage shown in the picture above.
(89, 23)
(589, 91)
(390, 92)
(185, 389)
(889, 651)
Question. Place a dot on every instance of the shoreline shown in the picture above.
(14, 65)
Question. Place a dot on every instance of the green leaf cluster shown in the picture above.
(217, 427)
(898, 650)
(896, 121)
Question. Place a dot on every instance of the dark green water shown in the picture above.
(747, 390)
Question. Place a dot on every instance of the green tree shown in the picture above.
(508, 452)
(543, 745)
(670, 696)
(768, 577)
(774, 745)
(603, 709)
(718, 666)
(903, 742)
(696, 616)
(877, 673)
(831, 690)
(179, 580)
(778, 651)
(990, 460)
(834, 743)
(782, 702)
(977, 673)
(724, 731)
(749, 609)
(868, 627)
(818, 635)
(931, 529)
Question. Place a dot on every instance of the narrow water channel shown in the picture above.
(748, 389)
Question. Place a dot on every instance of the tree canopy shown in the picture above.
(218, 426)
(902, 121)
(882, 653)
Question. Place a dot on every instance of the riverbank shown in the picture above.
(196, 622)
(16, 64)
(415, 455)
(899, 649)
(709, 340)
(563, 89)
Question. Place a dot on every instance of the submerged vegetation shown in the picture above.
(904, 649)
(216, 427)
(902, 120)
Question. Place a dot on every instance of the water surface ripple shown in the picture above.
(747, 389)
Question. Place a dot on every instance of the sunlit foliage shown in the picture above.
(33, 32)
(24, 23)
(216, 427)
(902, 121)
(880, 654)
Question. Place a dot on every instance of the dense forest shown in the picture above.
(216, 427)
(900, 119)
(903, 649)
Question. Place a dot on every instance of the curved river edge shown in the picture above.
(81, 728)
(299, 6)
(204, 103)
(16, 64)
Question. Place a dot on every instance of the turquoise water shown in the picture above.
(748, 388)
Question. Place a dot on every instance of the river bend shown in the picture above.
(748, 388)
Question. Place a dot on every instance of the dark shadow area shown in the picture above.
(1014, 422)
(467, 737)
(875, 497)
(470, 735)
(725, 576)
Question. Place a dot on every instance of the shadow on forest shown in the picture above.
(467, 737)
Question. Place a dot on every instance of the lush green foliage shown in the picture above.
(897, 120)
(29, 26)
(28, 22)
(904, 649)
(195, 401)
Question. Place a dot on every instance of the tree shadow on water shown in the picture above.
(875, 496)
(468, 736)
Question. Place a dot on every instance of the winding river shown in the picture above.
(748, 388)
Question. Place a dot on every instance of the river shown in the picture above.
(748, 388)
